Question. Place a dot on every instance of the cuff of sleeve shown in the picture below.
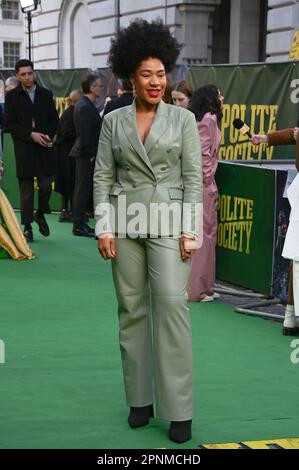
(106, 235)
(189, 235)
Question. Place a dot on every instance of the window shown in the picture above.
(11, 54)
(10, 10)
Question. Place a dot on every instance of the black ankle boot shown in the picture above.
(139, 416)
(180, 431)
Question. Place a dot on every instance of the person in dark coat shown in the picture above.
(30, 116)
(125, 99)
(66, 165)
(88, 126)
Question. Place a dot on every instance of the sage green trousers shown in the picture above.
(155, 335)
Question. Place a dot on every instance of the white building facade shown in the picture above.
(12, 37)
(77, 33)
(282, 22)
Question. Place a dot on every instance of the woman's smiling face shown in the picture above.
(150, 81)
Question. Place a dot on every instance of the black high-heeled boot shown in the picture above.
(139, 416)
(180, 431)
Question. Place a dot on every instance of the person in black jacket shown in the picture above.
(88, 126)
(30, 116)
(66, 165)
(125, 99)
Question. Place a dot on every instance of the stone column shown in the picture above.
(244, 31)
(192, 29)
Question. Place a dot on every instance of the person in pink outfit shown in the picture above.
(206, 104)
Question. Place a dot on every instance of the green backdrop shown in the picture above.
(265, 96)
(246, 220)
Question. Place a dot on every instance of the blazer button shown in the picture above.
(127, 168)
(163, 168)
(168, 150)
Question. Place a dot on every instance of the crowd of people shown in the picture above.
(155, 142)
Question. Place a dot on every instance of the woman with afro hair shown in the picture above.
(149, 163)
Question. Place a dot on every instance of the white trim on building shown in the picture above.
(77, 33)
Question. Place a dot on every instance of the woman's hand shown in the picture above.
(258, 139)
(107, 246)
(186, 253)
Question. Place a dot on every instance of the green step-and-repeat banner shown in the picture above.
(245, 225)
(265, 96)
(253, 215)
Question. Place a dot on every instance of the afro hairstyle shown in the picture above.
(139, 41)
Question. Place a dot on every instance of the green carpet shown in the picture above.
(61, 385)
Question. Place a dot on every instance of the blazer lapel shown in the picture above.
(159, 127)
(131, 131)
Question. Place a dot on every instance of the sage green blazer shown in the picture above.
(135, 183)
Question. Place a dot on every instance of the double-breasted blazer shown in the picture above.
(23, 117)
(165, 170)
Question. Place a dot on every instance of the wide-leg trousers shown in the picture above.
(151, 279)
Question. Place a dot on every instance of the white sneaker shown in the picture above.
(208, 298)
(291, 322)
(289, 317)
(216, 295)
